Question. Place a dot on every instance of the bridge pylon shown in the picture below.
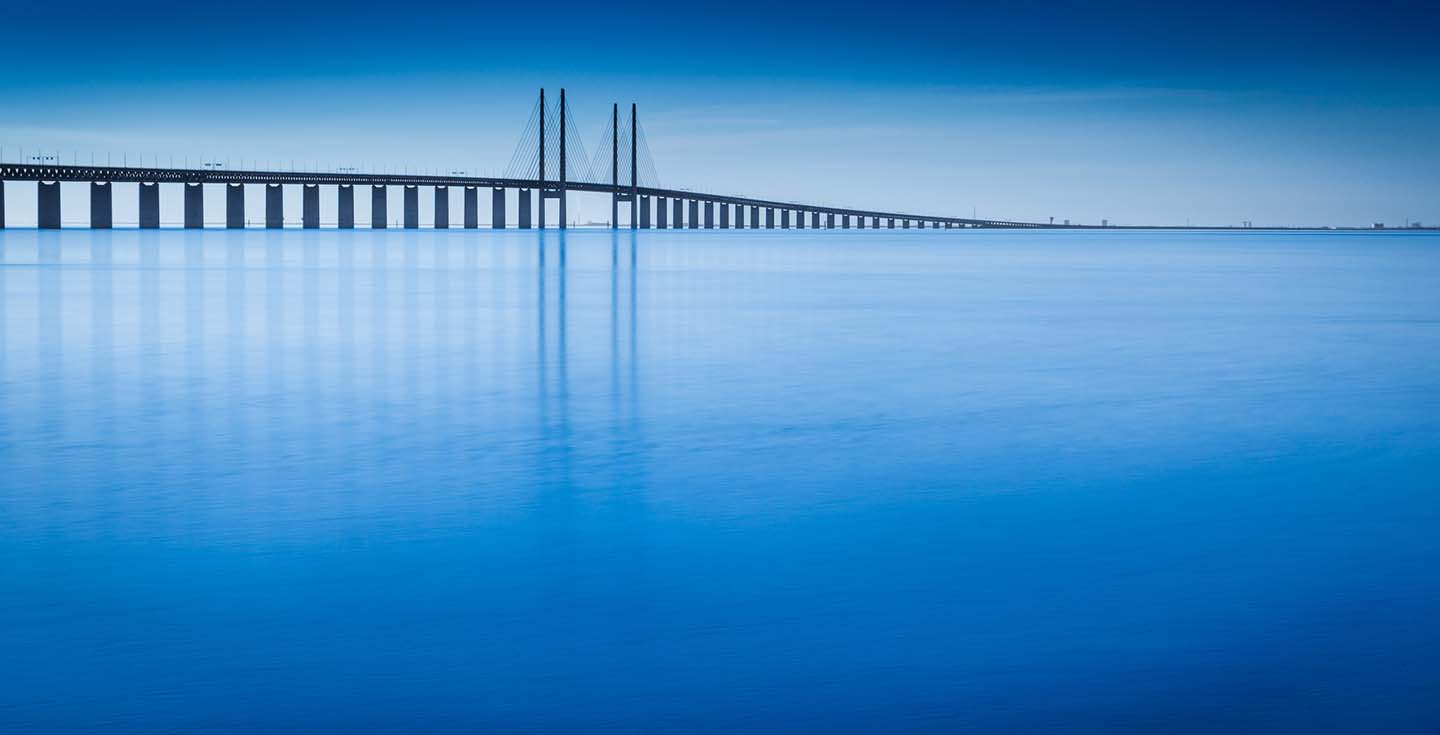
(557, 188)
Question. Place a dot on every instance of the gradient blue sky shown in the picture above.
(1280, 113)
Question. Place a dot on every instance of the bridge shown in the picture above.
(630, 183)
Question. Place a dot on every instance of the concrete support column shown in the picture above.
(679, 214)
(662, 213)
(310, 206)
(472, 207)
(784, 219)
(2, 205)
(47, 206)
(799, 219)
(194, 206)
(754, 218)
(101, 205)
(724, 216)
(412, 207)
(693, 216)
(274, 206)
(904, 224)
(345, 207)
(524, 211)
(709, 215)
(860, 223)
(149, 206)
(497, 209)
(645, 213)
(815, 220)
(379, 198)
(234, 206)
(769, 218)
(442, 207)
(830, 221)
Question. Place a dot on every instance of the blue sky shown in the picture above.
(1280, 113)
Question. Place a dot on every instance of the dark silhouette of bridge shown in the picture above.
(542, 165)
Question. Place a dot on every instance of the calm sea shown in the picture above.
(719, 482)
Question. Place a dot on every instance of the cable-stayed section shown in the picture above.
(577, 162)
(593, 167)
(601, 165)
(645, 163)
(525, 161)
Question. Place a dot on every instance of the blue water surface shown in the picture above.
(777, 481)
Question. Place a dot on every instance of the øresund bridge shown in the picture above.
(544, 164)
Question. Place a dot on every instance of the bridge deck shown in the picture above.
(132, 174)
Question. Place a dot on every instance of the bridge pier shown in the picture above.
(709, 215)
(769, 218)
(754, 217)
(724, 215)
(194, 206)
(101, 205)
(497, 209)
(149, 205)
(524, 211)
(47, 205)
(234, 206)
(442, 207)
(844, 221)
(694, 214)
(815, 220)
(345, 207)
(2, 204)
(274, 207)
(662, 213)
(679, 213)
(310, 206)
(645, 213)
(412, 207)
(472, 208)
(904, 224)
(784, 219)
(379, 198)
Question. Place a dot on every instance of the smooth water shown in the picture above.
(717, 481)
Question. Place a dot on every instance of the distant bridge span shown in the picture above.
(651, 206)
